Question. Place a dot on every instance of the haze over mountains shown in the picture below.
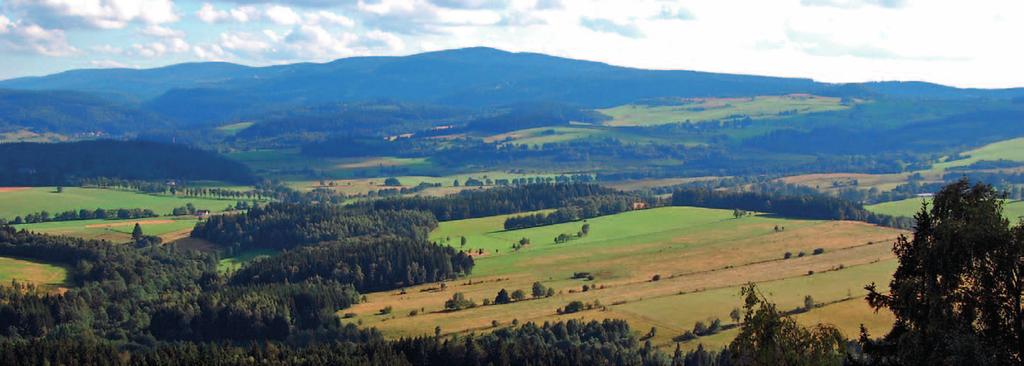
(471, 77)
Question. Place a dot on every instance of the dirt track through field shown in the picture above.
(12, 189)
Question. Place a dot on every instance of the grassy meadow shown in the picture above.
(17, 201)
(364, 185)
(1012, 210)
(1012, 149)
(233, 263)
(710, 109)
(38, 273)
(702, 257)
(290, 164)
(168, 228)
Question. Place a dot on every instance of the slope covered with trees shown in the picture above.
(41, 164)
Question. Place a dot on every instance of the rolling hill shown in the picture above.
(470, 77)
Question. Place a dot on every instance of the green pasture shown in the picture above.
(701, 110)
(234, 128)
(42, 274)
(702, 257)
(290, 164)
(607, 235)
(1012, 210)
(113, 230)
(25, 201)
(235, 262)
(1012, 149)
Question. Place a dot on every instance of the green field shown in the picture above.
(1012, 149)
(290, 164)
(711, 109)
(113, 230)
(234, 128)
(544, 135)
(1013, 210)
(363, 185)
(24, 201)
(235, 262)
(702, 257)
(38, 273)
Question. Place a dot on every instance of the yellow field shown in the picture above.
(41, 274)
(703, 256)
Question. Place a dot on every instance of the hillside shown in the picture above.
(67, 112)
(470, 77)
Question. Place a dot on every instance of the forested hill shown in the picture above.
(68, 112)
(470, 77)
(39, 164)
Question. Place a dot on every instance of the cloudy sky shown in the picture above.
(975, 43)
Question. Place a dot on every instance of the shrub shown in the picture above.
(573, 307)
(788, 255)
(818, 251)
(656, 278)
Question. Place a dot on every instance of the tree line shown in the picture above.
(578, 209)
(807, 206)
(84, 214)
(497, 201)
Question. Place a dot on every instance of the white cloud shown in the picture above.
(381, 41)
(108, 49)
(245, 43)
(242, 14)
(628, 29)
(162, 32)
(312, 41)
(108, 64)
(103, 14)
(20, 37)
(327, 17)
(853, 4)
(209, 52)
(283, 15)
(159, 48)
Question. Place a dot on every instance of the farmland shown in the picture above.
(31, 200)
(1012, 210)
(364, 185)
(291, 164)
(701, 256)
(714, 109)
(115, 230)
(1003, 150)
(42, 274)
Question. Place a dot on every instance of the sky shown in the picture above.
(962, 43)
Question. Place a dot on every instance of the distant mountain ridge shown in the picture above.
(468, 77)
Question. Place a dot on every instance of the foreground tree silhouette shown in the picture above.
(770, 337)
(957, 291)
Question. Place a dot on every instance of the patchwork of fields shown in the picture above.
(18, 202)
(702, 257)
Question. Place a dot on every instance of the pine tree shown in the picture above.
(137, 232)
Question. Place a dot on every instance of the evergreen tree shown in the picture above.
(137, 232)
